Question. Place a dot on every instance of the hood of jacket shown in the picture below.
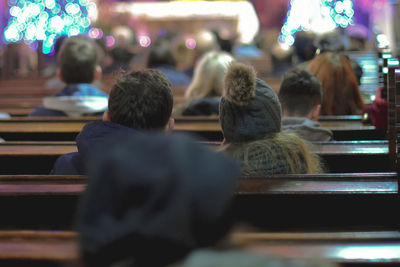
(307, 129)
(151, 193)
(77, 100)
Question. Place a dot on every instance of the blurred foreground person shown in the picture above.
(151, 199)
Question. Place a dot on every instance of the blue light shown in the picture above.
(46, 20)
(318, 16)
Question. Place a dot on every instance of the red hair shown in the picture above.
(341, 95)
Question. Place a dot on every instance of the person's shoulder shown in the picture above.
(68, 164)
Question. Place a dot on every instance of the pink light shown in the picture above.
(95, 33)
(190, 43)
(110, 41)
(144, 41)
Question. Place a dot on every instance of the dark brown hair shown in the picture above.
(300, 91)
(141, 100)
(78, 59)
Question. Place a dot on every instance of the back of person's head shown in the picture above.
(331, 42)
(121, 55)
(299, 93)
(78, 60)
(249, 109)
(304, 46)
(161, 54)
(205, 42)
(153, 198)
(341, 95)
(250, 117)
(209, 75)
(141, 100)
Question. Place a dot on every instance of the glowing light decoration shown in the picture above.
(144, 41)
(47, 20)
(190, 43)
(318, 16)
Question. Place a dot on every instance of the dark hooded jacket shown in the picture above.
(153, 198)
(73, 100)
(202, 107)
(92, 134)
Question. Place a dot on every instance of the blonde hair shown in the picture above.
(209, 75)
(273, 151)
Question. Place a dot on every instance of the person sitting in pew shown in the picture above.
(78, 69)
(250, 117)
(205, 90)
(300, 95)
(341, 94)
(151, 199)
(161, 58)
(140, 101)
(162, 200)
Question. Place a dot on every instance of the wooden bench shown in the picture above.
(383, 247)
(338, 156)
(208, 128)
(276, 202)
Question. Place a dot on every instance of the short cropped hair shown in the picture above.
(161, 54)
(78, 59)
(141, 100)
(300, 91)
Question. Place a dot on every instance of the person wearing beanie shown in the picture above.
(301, 97)
(152, 199)
(250, 117)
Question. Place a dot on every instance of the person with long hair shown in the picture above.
(341, 94)
(250, 117)
(205, 90)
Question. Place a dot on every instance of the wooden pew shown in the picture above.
(276, 202)
(208, 128)
(338, 156)
(28, 248)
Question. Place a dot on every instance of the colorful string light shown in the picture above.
(318, 16)
(47, 20)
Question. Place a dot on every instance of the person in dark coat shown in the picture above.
(139, 101)
(162, 59)
(300, 95)
(152, 199)
(163, 200)
(79, 67)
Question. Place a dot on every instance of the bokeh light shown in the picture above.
(46, 20)
(144, 41)
(110, 41)
(190, 43)
(318, 16)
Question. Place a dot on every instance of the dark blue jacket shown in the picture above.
(174, 76)
(76, 90)
(92, 134)
(202, 107)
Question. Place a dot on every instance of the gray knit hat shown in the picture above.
(250, 109)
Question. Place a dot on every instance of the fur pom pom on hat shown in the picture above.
(250, 109)
(240, 83)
